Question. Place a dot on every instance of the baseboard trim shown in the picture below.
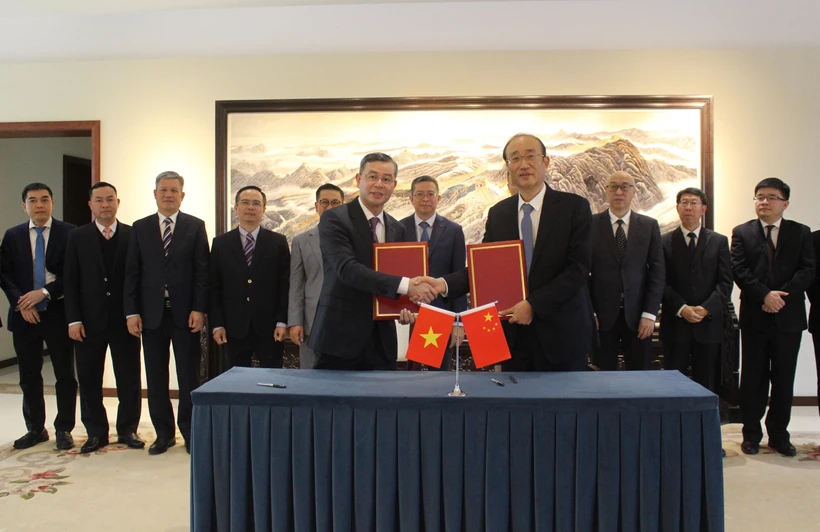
(9, 362)
(112, 392)
(805, 401)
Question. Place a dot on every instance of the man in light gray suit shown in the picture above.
(306, 276)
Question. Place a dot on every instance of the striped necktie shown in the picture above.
(166, 236)
(249, 247)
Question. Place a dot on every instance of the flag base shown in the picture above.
(457, 392)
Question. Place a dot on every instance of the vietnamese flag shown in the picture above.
(483, 329)
(430, 336)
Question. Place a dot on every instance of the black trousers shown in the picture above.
(156, 344)
(28, 345)
(769, 356)
(704, 359)
(125, 357)
(816, 339)
(621, 339)
(372, 358)
(268, 351)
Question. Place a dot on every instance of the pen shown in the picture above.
(513, 379)
(271, 385)
(498, 382)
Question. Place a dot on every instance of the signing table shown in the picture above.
(390, 451)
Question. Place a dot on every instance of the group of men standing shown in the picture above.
(595, 288)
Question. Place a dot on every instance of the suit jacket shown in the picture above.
(558, 277)
(243, 296)
(640, 277)
(17, 266)
(93, 295)
(703, 280)
(814, 292)
(794, 273)
(447, 253)
(344, 316)
(185, 272)
(306, 275)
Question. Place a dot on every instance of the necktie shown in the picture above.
(107, 233)
(40, 264)
(620, 239)
(425, 236)
(249, 247)
(526, 234)
(374, 222)
(693, 244)
(770, 251)
(166, 236)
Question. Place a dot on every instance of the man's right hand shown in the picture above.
(297, 334)
(30, 315)
(76, 332)
(421, 290)
(689, 314)
(220, 336)
(134, 325)
(773, 302)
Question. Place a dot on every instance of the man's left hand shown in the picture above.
(521, 313)
(280, 333)
(196, 321)
(30, 299)
(645, 328)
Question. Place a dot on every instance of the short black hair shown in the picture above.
(504, 151)
(329, 186)
(423, 179)
(694, 192)
(773, 182)
(37, 186)
(378, 157)
(101, 184)
(251, 187)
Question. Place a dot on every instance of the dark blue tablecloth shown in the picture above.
(385, 451)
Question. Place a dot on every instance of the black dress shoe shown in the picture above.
(64, 440)
(724, 452)
(785, 448)
(94, 443)
(31, 438)
(131, 440)
(750, 447)
(161, 445)
(188, 446)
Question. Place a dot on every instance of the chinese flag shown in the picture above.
(483, 330)
(431, 336)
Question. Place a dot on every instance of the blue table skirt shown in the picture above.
(390, 451)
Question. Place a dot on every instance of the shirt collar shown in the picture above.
(369, 214)
(31, 224)
(776, 224)
(102, 227)
(173, 217)
(430, 220)
(686, 231)
(536, 202)
(254, 233)
(614, 219)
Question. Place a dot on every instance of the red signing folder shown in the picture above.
(405, 259)
(497, 273)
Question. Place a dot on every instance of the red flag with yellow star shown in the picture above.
(485, 335)
(430, 336)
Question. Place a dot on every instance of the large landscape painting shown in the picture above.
(289, 154)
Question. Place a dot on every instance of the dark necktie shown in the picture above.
(693, 244)
(526, 234)
(249, 247)
(374, 222)
(40, 265)
(620, 239)
(166, 236)
(425, 236)
(770, 251)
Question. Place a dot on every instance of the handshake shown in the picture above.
(425, 289)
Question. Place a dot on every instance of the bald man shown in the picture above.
(627, 278)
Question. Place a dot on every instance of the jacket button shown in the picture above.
(249, 299)
(108, 293)
(250, 281)
(105, 279)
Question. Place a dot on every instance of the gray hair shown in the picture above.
(169, 174)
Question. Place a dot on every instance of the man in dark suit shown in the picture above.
(698, 287)
(250, 266)
(306, 275)
(447, 252)
(94, 276)
(552, 329)
(344, 333)
(627, 278)
(773, 264)
(32, 255)
(814, 314)
(166, 298)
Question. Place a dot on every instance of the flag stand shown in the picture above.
(457, 390)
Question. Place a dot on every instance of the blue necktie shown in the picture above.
(40, 265)
(425, 236)
(526, 234)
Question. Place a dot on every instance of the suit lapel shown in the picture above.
(438, 231)
(634, 235)
(607, 237)
(679, 247)
(179, 233)
(315, 248)
(549, 217)
(238, 251)
(391, 228)
(783, 238)
(95, 245)
(359, 221)
(703, 241)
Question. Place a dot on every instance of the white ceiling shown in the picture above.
(55, 30)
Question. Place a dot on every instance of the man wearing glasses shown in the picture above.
(306, 276)
(627, 277)
(250, 267)
(773, 264)
(447, 252)
(345, 336)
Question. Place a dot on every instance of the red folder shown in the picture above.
(405, 259)
(497, 273)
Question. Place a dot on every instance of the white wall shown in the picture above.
(23, 161)
(159, 114)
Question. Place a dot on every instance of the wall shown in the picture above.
(159, 114)
(23, 161)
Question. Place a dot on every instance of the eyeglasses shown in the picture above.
(325, 202)
(768, 199)
(430, 194)
(386, 181)
(531, 158)
(249, 203)
(687, 203)
(623, 186)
